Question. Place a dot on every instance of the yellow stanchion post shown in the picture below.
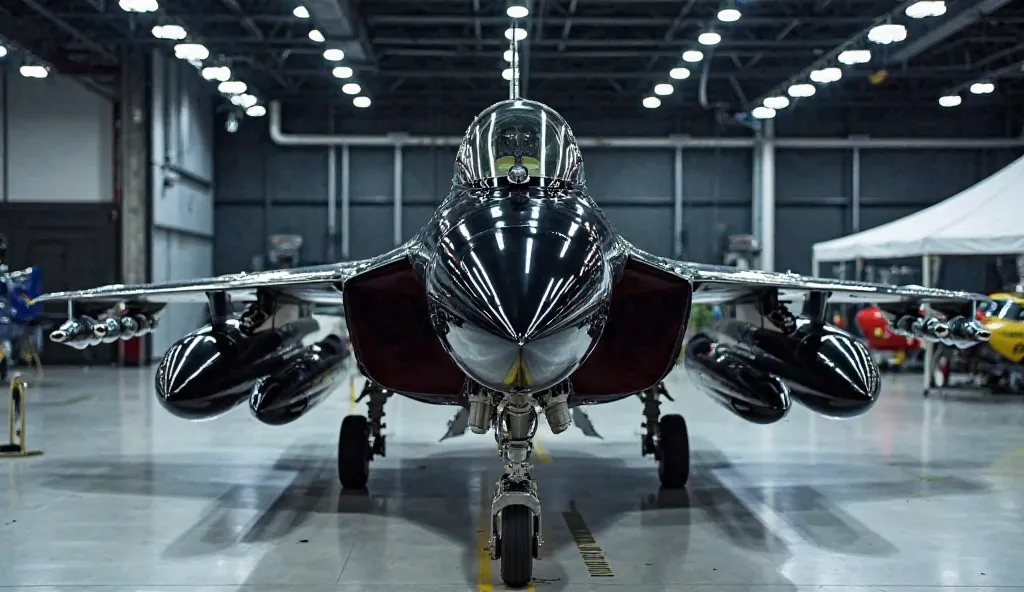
(17, 446)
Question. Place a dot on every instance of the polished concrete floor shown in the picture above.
(920, 494)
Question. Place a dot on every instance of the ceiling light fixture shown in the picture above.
(244, 101)
(232, 87)
(693, 56)
(507, 73)
(982, 88)
(778, 102)
(192, 52)
(763, 113)
(664, 89)
(34, 71)
(950, 101)
(800, 91)
(316, 35)
(709, 38)
(679, 73)
(351, 88)
(729, 13)
(172, 32)
(301, 12)
(517, 11)
(218, 73)
(888, 33)
(361, 102)
(3, 51)
(925, 9)
(334, 55)
(826, 75)
(256, 111)
(342, 72)
(652, 102)
(516, 34)
(139, 5)
(852, 57)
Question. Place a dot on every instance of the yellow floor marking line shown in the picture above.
(592, 554)
(351, 394)
(483, 541)
(542, 453)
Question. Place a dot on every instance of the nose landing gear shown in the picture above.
(515, 527)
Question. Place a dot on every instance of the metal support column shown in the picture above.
(929, 350)
(855, 191)
(346, 200)
(332, 201)
(398, 195)
(135, 196)
(678, 245)
(766, 232)
(134, 150)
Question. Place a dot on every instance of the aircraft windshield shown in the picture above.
(518, 132)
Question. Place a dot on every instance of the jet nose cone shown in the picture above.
(522, 308)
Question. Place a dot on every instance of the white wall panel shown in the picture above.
(179, 256)
(182, 147)
(59, 140)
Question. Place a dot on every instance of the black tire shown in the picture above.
(673, 452)
(354, 452)
(516, 546)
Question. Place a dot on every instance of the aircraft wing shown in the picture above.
(316, 284)
(722, 284)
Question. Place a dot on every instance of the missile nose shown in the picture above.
(525, 306)
(189, 372)
(58, 336)
(983, 335)
(941, 330)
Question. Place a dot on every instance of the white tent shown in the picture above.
(984, 219)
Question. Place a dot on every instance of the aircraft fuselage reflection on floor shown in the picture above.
(517, 295)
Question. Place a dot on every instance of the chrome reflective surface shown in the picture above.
(518, 289)
(828, 370)
(514, 135)
(735, 382)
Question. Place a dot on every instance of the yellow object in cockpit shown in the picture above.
(505, 163)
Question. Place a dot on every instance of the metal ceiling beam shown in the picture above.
(71, 30)
(339, 21)
(606, 43)
(829, 58)
(951, 25)
(605, 21)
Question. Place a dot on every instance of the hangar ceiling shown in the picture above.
(414, 57)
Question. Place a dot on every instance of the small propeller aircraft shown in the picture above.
(517, 298)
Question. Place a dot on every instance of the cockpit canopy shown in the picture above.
(519, 132)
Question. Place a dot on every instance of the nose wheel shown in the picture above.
(666, 438)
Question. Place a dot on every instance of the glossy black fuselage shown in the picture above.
(519, 281)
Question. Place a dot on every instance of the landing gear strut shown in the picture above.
(666, 438)
(362, 438)
(515, 527)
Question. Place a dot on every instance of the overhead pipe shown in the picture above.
(674, 141)
(398, 191)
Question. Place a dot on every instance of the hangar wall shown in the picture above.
(57, 186)
(265, 189)
(182, 177)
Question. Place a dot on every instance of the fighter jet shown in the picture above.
(517, 299)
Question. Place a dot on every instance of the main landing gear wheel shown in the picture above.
(354, 452)
(517, 546)
(673, 452)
